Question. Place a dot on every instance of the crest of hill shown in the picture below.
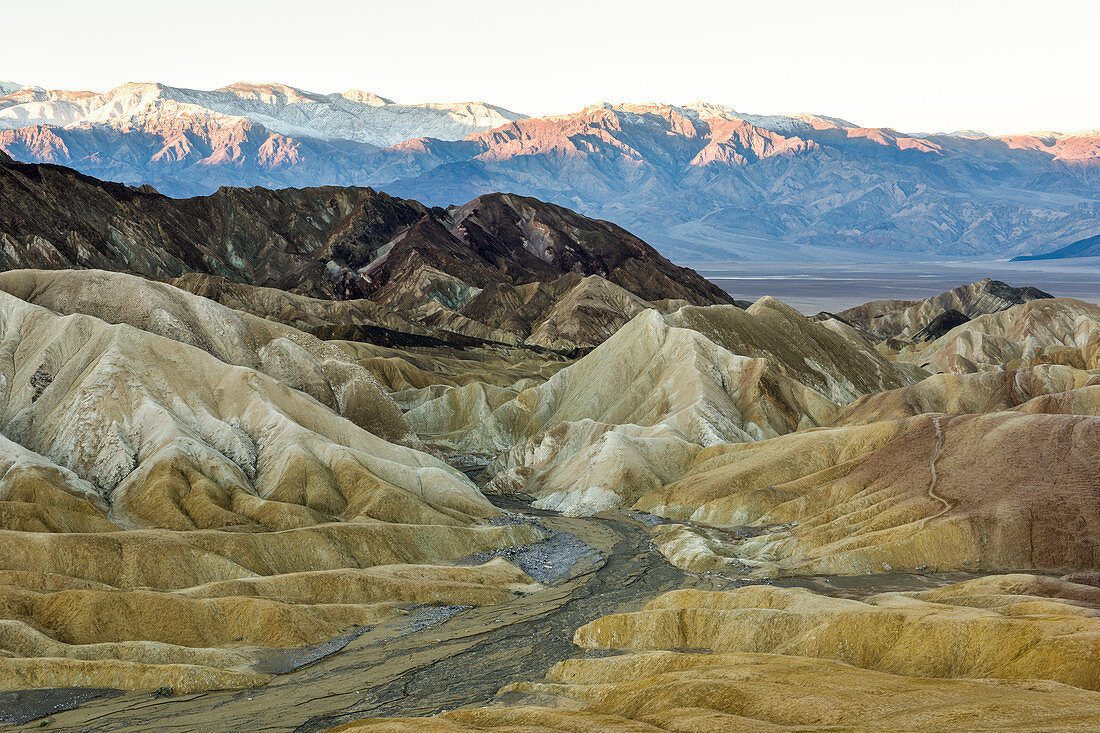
(296, 359)
(988, 391)
(565, 241)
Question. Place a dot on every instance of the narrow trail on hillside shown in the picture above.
(947, 506)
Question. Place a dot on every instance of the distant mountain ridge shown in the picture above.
(352, 115)
(700, 181)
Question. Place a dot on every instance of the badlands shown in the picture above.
(504, 467)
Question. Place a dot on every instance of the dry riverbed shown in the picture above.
(435, 658)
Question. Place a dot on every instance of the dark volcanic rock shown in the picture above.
(940, 325)
(53, 218)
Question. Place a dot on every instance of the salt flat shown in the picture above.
(812, 288)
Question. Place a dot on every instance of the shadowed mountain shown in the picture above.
(495, 269)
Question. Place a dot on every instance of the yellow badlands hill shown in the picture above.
(1045, 388)
(999, 491)
(632, 414)
(1015, 652)
(164, 514)
(292, 357)
(184, 486)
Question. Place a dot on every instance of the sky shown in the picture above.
(929, 66)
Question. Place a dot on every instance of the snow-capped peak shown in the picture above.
(368, 98)
(270, 93)
(353, 115)
(7, 87)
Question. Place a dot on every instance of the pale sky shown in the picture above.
(1003, 66)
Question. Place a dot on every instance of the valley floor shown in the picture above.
(427, 663)
(812, 288)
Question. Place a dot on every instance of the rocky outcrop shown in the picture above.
(1047, 331)
(928, 319)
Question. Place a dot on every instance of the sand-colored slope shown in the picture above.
(290, 524)
(836, 364)
(652, 692)
(988, 391)
(296, 359)
(211, 636)
(998, 491)
(998, 627)
(909, 319)
(631, 415)
(1001, 653)
(282, 610)
(175, 438)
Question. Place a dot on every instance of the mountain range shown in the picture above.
(701, 181)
